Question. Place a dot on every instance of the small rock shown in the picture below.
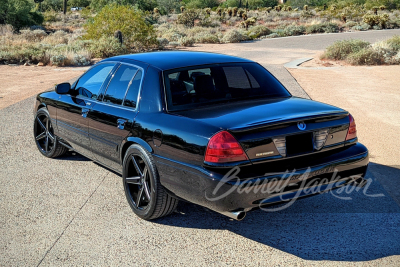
(13, 65)
(40, 64)
(27, 64)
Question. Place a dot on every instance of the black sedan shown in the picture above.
(211, 129)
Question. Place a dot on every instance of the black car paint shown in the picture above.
(178, 140)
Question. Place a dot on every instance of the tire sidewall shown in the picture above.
(153, 174)
(43, 111)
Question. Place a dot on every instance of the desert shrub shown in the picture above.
(80, 60)
(188, 17)
(106, 47)
(341, 49)
(137, 35)
(234, 36)
(58, 60)
(207, 38)
(258, 31)
(350, 24)
(174, 44)
(33, 36)
(187, 41)
(162, 42)
(6, 30)
(201, 3)
(394, 42)
(31, 53)
(365, 56)
(272, 35)
(293, 30)
(362, 27)
(327, 27)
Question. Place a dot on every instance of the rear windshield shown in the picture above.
(212, 84)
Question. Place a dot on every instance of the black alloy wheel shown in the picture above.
(45, 139)
(143, 190)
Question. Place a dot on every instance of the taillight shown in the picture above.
(352, 132)
(222, 148)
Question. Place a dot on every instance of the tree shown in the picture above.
(18, 13)
(137, 35)
(168, 5)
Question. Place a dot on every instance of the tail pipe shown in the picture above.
(236, 215)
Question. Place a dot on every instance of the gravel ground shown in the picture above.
(71, 211)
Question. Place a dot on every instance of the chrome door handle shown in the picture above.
(85, 111)
(121, 124)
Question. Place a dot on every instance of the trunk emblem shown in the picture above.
(301, 125)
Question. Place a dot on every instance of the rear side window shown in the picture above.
(89, 84)
(206, 85)
(119, 84)
(133, 91)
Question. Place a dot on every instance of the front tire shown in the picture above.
(45, 139)
(144, 192)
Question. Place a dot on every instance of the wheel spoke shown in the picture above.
(41, 136)
(41, 123)
(139, 196)
(137, 166)
(50, 135)
(145, 185)
(133, 180)
(147, 190)
(47, 123)
(47, 144)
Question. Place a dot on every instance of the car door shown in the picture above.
(72, 109)
(111, 120)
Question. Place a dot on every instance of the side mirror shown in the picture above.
(63, 88)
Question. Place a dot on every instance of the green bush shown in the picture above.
(235, 36)
(201, 3)
(394, 42)
(366, 56)
(327, 27)
(137, 35)
(106, 47)
(188, 17)
(341, 49)
(258, 31)
(18, 14)
(187, 41)
(207, 38)
(293, 30)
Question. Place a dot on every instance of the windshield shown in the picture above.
(211, 84)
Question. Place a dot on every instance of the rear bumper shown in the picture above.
(227, 193)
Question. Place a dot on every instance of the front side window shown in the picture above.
(119, 84)
(90, 83)
(211, 84)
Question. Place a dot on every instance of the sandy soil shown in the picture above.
(370, 94)
(20, 82)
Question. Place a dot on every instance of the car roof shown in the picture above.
(167, 60)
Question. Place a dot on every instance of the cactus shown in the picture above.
(208, 11)
(182, 9)
(268, 9)
(219, 11)
(229, 11)
(305, 7)
(289, 8)
(156, 11)
(118, 36)
(234, 11)
(244, 16)
(240, 12)
(382, 7)
(375, 10)
(343, 17)
(278, 8)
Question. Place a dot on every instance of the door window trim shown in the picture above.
(127, 89)
(100, 92)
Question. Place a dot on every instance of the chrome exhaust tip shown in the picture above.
(236, 215)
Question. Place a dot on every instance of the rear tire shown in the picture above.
(43, 132)
(147, 197)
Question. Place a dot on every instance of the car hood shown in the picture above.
(254, 114)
